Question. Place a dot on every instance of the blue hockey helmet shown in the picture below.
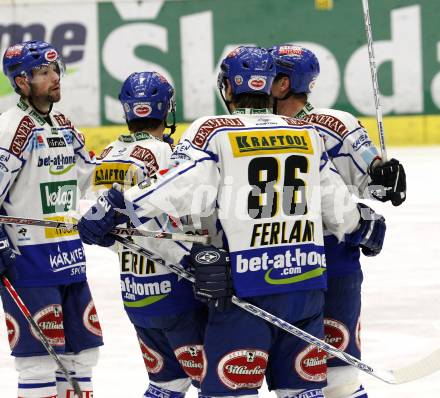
(249, 70)
(299, 63)
(147, 95)
(20, 59)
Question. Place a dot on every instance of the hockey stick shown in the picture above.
(373, 69)
(412, 372)
(72, 226)
(25, 311)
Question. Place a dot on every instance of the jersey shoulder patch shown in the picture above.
(62, 120)
(105, 152)
(22, 135)
(147, 157)
(338, 122)
(209, 126)
(295, 122)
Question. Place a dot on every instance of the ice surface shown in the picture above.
(401, 298)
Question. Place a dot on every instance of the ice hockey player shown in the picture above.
(44, 167)
(358, 162)
(169, 322)
(261, 176)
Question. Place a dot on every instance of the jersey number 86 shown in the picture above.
(263, 177)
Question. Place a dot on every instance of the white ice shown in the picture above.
(401, 298)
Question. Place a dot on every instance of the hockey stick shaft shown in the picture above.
(403, 375)
(25, 311)
(373, 70)
(72, 226)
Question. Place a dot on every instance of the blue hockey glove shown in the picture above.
(212, 271)
(371, 232)
(101, 218)
(7, 256)
(388, 181)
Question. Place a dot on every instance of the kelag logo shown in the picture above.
(59, 196)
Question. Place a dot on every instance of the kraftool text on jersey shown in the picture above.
(106, 175)
(275, 140)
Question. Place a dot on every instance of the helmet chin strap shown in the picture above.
(228, 103)
(221, 86)
(172, 127)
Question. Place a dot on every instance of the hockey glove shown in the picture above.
(212, 271)
(7, 256)
(101, 218)
(371, 232)
(388, 181)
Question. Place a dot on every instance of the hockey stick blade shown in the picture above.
(402, 375)
(419, 369)
(72, 226)
(26, 313)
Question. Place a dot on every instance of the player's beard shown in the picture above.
(47, 98)
(53, 96)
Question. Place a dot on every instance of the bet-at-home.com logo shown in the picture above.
(59, 196)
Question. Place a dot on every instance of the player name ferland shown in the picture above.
(282, 233)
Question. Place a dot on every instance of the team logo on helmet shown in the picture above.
(51, 55)
(142, 110)
(234, 53)
(152, 359)
(257, 82)
(50, 321)
(311, 364)
(312, 84)
(161, 77)
(192, 359)
(207, 257)
(336, 334)
(290, 50)
(13, 330)
(243, 369)
(91, 320)
(238, 80)
(14, 51)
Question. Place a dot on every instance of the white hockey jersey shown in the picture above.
(147, 288)
(351, 150)
(266, 180)
(347, 144)
(44, 167)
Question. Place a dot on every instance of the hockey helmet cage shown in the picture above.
(249, 70)
(20, 59)
(147, 95)
(299, 63)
